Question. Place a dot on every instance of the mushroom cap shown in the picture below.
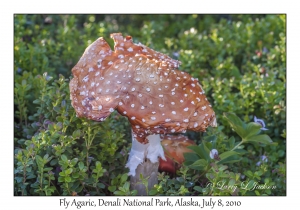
(141, 84)
(174, 148)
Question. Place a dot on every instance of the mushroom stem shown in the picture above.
(144, 159)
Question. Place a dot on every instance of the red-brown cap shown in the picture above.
(141, 84)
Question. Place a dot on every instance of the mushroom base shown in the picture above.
(144, 159)
(149, 171)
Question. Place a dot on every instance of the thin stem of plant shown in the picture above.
(237, 145)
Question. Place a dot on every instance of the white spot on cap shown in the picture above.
(173, 112)
(124, 112)
(151, 76)
(130, 49)
(97, 73)
(100, 107)
(132, 105)
(111, 109)
(195, 124)
(148, 89)
(86, 78)
(173, 93)
(167, 120)
(140, 95)
(142, 107)
(91, 69)
(195, 114)
(173, 103)
(92, 84)
(173, 130)
(186, 120)
(132, 89)
(133, 118)
(110, 62)
(107, 99)
(186, 109)
(108, 82)
(161, 96)
(161, 105)
(203, 107)
(137, 79)
(153, 118)
(137, 126)
(181, 101)
(143, 120)
(83, 103)
(150, 102)
(120, 103)
(119, 82)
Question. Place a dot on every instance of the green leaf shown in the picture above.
(231, 182)
(197, 188)
(81, 166)
(76, 134)
(64, 158)
(227, 154)
(112, 188)
(68, 171)
(189, 156)
(152, 192)
(236, 123)
(223, 167)
(252, 129)
(201, 150)
(126, 186)
(264, 139)
(199, 164)
(101, 185)
(231, 141)
(124, 177)
(39, 161)
(119, 193)
(248, 173)
(230, 159)
(68, 179)
(248, 185)
(98, 166)
(36, 101)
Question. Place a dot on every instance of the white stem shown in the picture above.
(155, 149)
(139, 151)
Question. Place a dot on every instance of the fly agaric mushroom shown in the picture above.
(143, 85)
(174, 147)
